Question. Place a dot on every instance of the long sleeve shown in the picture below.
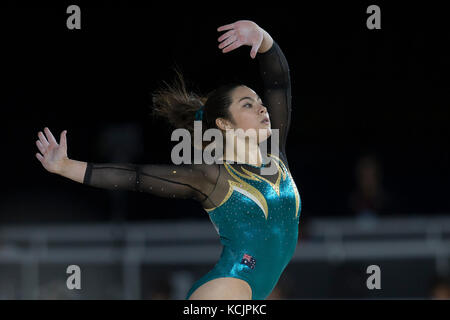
(170, 181)
(275, 76)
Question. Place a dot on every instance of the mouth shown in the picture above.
(265, 121)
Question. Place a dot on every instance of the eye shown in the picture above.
(248, 105)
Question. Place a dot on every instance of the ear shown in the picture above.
(223, 124)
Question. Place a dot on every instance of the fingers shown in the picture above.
(63, 139)
(39, 157)
(42, 139)
(226, 35)
(40, 147)
(226, 27)
(233, 46)
(50, 136)
(255, 49)
(227, 42)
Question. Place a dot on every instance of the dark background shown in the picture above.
(355, 91)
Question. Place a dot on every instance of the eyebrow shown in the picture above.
(248, 98)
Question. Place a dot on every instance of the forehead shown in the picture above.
(243, 91)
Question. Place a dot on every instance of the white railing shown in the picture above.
(188, 242)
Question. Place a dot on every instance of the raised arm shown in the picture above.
(274, 72)
(170, 181)
(273, 66)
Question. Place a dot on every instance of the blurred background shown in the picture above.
(368, 146)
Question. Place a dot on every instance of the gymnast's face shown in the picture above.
(248, 112)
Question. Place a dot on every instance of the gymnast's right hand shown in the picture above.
(52, 155)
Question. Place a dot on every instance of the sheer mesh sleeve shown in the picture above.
(170, 181)
(274, 71)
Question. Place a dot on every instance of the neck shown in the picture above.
(244, 151)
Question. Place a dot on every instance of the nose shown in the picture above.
(262, 109)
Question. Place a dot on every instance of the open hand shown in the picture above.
(242, 32)
(52, 154)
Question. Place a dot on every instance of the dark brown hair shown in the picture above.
(179, 106)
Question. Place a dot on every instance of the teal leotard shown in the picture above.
(258, 227)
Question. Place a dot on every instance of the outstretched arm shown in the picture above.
(273, 66)
(170, 181)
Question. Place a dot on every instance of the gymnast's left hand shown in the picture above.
(242, 32)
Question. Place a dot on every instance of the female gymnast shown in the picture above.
(255, 215)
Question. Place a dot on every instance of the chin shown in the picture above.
(264, 134)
